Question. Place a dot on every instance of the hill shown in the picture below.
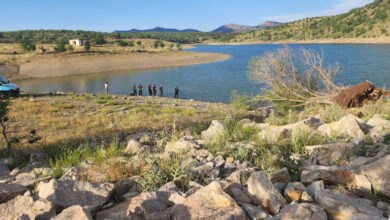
(370, 21)
(157, 29)
(236, 28)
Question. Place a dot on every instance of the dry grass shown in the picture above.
(85, 117)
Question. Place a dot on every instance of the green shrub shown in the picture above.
(375, 108)
(332, 113)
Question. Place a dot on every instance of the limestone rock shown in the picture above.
(209, 202)
(133, 146)
(183, 144)
(330, 154)
(24, 207)
(124, 186)
(238, 193)
(380, 128)
(74, 212)
(118, 212)
(274, 133)
(349, 126)
(10, 191)
(296, 192)
(301, 211)
(341, 206)
(378, 173)
(315, 187)
(280, 178)
(215, 131)
(146, 203)
(254, 212)
(263, 192)
(66, 193)
(74, 173)
(25, 179)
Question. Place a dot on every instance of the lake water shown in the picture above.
(215, 81)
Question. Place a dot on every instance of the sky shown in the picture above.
(204, 15)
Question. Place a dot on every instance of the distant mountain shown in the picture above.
(157, 29)
(228, 28)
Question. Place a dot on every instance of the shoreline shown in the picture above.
(79, 64)
(381, 40)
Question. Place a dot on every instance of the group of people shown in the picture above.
(152, 89)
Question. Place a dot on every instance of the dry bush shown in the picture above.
(294, 78)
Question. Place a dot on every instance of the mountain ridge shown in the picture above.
(156, 29)
(236, 28)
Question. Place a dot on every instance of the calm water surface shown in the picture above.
(215, 81)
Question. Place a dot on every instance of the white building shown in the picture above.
(78, 42)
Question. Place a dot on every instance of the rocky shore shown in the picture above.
(347, 178)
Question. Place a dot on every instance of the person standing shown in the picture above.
(154, 90)
(134, 90)
(140, 90)
(161, 91)
(150, 89)
(106, 85)
(177, 92)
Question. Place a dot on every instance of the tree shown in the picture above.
(162, 45)
(130, 43)
(139, 43)
(87, 46)
(27, 45)
(60, 46)
(156, 43)
(99, 39)
(122, 43)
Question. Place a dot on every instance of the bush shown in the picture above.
(332, 113)
(27, 45)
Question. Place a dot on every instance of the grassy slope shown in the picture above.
(371, 21)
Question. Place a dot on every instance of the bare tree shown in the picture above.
(294, 78)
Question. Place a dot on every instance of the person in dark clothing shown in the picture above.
(154, 90)
(140, 90)
(134, 90)
(150, 89)
(177, 92)
(161, 91)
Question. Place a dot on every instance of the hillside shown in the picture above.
(370, 21)
(157, 29)
(236, 28)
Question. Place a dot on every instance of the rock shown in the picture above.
(335, 175)
(349, 126)
(315, 187)
(254, 212)
(74, 212)
(358, 95)
(378, 173)
(183, 144)
(124, 186)
(263, 192)
(133, 147)
(10, 191)
(274, 133)
(296, 192)
(177, 198)
(8, 162)
(341, 206)
(25, 179)
(378, 121)
(215, 131)
(74, 173)
(301, 211)
(66, 193)
(118, 212)
(24, 207)
(4, 170)
(198, 154)
(309, 123)
(238, 193)
(330, 154)
(146, 203)
(209, 202)
(280, 178)
(204, 169)
(380, 128)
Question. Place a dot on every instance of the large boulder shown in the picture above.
(264, 193)
(74, 212)
(238, 193)
(280, 178)
(215, 131)
(183, 144)
(378, 172)
(349, 126)
(10, 191)
(146, 203)
(341, 206)
(330, 154)
(296, 191)
(301, 211)
(358, 95)
(209, 202)
(118, 212)
(380, 128)
(24, 207)
(66, 193)
(254, 212)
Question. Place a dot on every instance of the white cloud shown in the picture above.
(340, 7)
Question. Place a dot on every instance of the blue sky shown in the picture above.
(205, 15)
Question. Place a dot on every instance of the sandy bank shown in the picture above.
(71, 64)
(377, 40)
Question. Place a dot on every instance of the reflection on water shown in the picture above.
(216, 81)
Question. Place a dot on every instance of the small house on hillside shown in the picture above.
(79, 42)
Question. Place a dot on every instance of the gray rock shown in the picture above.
(146, 203)
(315, 187)
(118, 212)
(330, 154)
(280, 178)
(4, 170)
(74, 173)
(297, 192)
(25, 179)
(263, 192)
(301, 211)
(24, 207)
(133, 147)
(215, 131)
(124, 186)
(183, 144)
(74, 212)
(10, 191)
(238, 193)
(378, 173)
(66, 193)
(254, 212)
